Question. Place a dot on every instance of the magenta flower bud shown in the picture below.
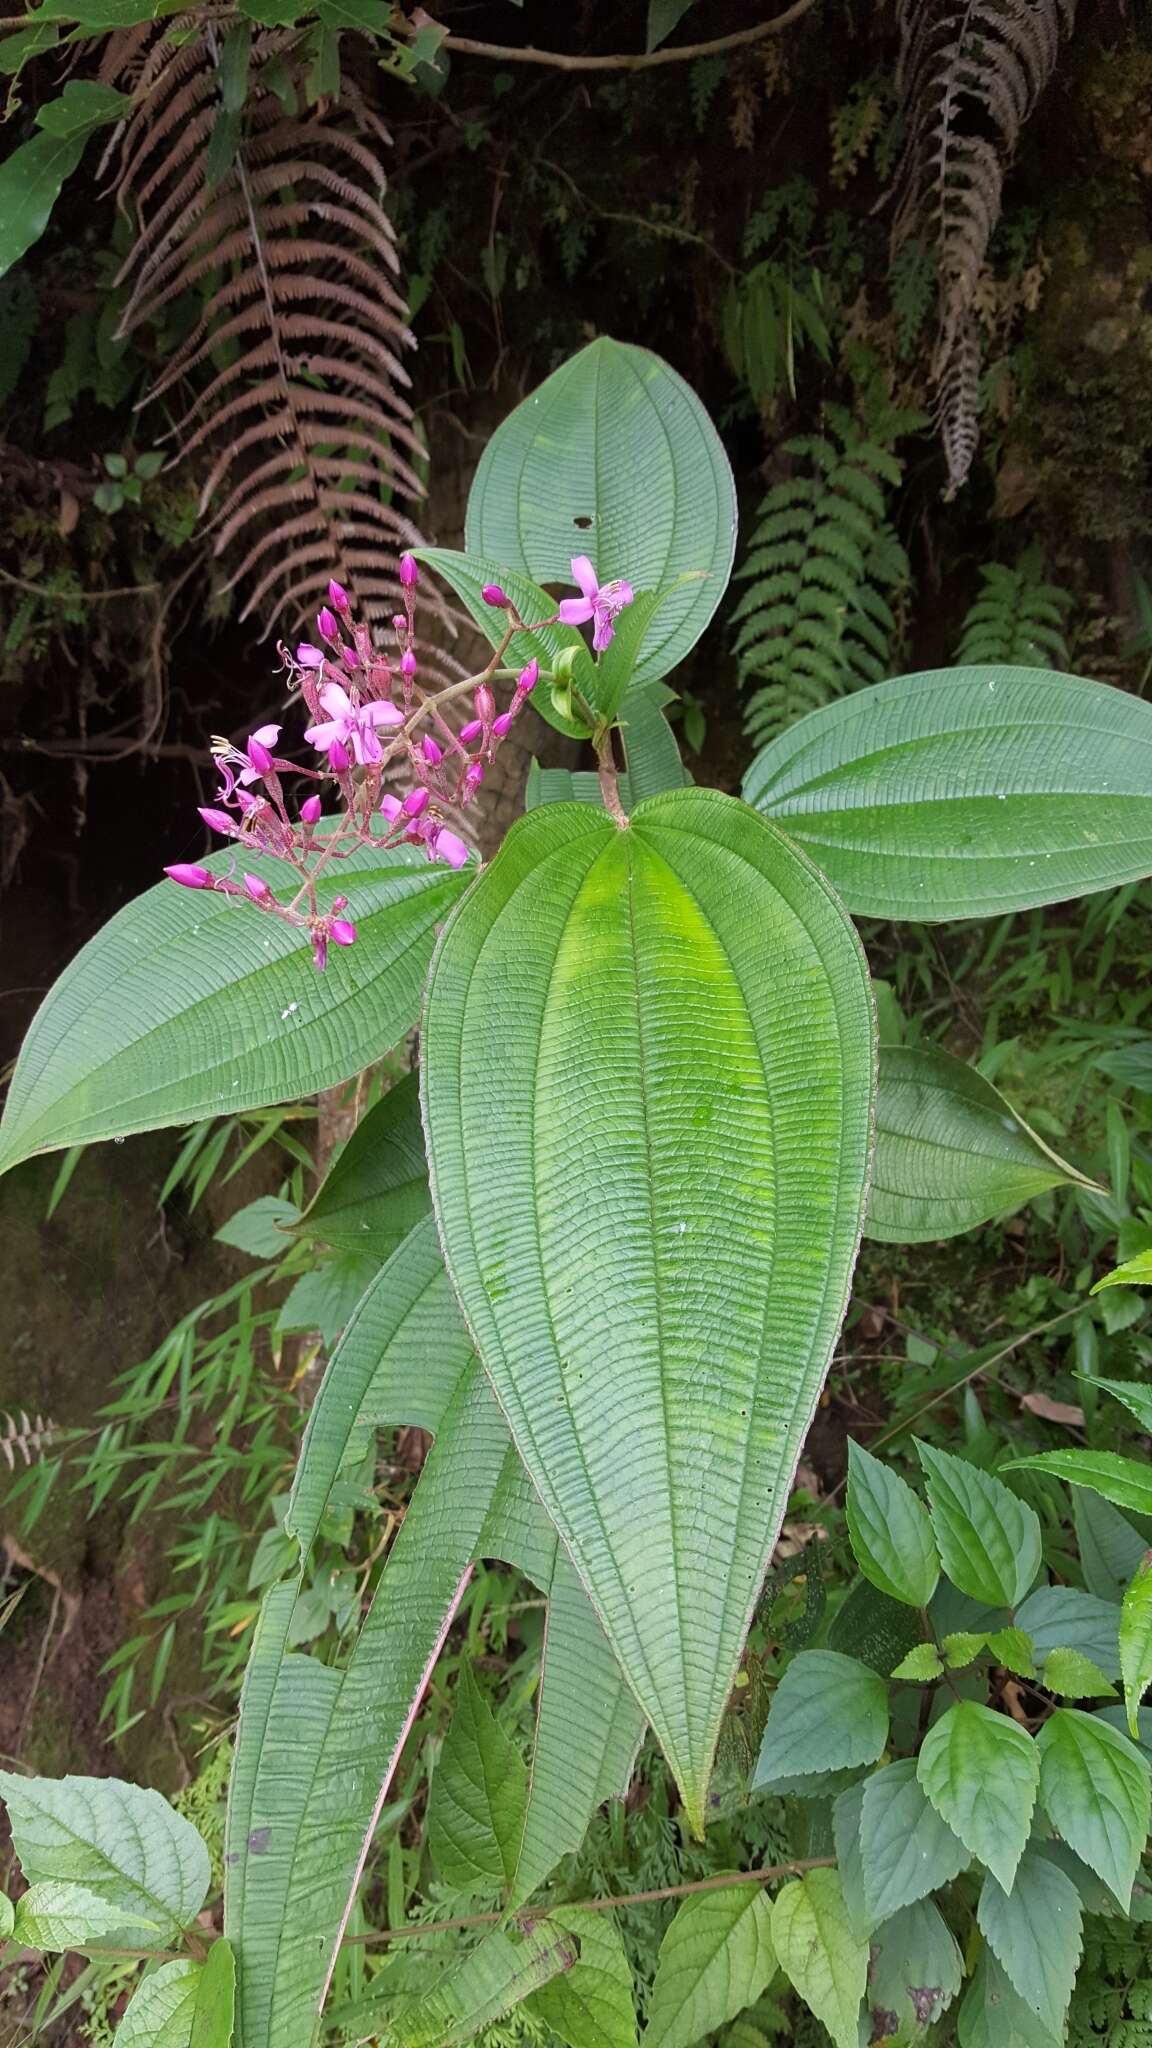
(473, 776)
(400, 622)
(308, 656)
(189, 876)
(493, 595)
(448, 847)
(216, 821)
(310, 809)
(338, 596)
(343, 931)
(470, 732)
(409, 572)
(407, 663)
(326, 624)
(415, 802)
(391, 808)
(485, 704)
(338, 758)
(259, 756)
(431, 752)
(529, 677)
(339, 903)
(349, 657)
(257, 889)
(501, 725)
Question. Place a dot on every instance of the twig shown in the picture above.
(686, 53)
(77, 596)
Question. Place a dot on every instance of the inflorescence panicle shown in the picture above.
(368, 710)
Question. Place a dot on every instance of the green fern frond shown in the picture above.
(1016, 618)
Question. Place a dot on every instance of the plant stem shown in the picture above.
(609, 778)
(506, 53)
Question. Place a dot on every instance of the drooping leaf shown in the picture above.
(830, 1713)
(121, 1842)
(54, 1915)
(479, 1797)
(989, 1541)
(889, 1530)
(980, 1771)
(214, 2013)
(483, 1985)
(613, 457)
(716, 1958)
(950, 1151)
(966, 792)
(1094, 1787)
(31, 180)
(1035, 1933)
(993, 2014)
(1136, 1398)
(907, 1850)
(378, 1186)
(819, 1954)
(1110, 1548)
(1119, 1479)
(666, 1143)
(1062, 1617)
(186, 1005)
(590, 2005)
(1136, 1643)
(915, 1970)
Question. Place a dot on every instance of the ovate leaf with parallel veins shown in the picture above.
(651, 1215)
(966, 792)
(1094, 1787)
(889, 1530)
(716, 1958)
(989, 1541)
(980, 1771)
(1035, 1933)
(819, 1954)
(189, 1005)
(950, 1151)
(830, 1712)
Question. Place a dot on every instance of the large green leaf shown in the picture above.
(479, 1798)
(818, 1952)
(651, 1217)
(966, 792)
(121, 1842)
(830, 1713)
(716, 1958)
(980, 1771)
(906, 1850)
(189, 1004)
(613, 457)
(914, 1972)
(378, 1186)
(889, 1531)
(1123, 1480)
(479, 1987)
(1094, 1787)
(950, 1151)
(32, 176)
(1035, 1933)
(591, 2005)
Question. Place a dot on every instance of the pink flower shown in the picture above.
(501, 725)
(256, 888)
(350, 725)
(601, 602)
(326, 624)
(308, 656)
(415, 802)
(407, 663)
(343, 931)
(218, 821)
(390, 808)
(446, 846)
(432, 753)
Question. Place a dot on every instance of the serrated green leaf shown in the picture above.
(119, 1841)
(989, 1541)
(1062, 1617)
(482, 1985)
(1110, 1548)
(962, 1647)
(921, 1664)
(966, 792)
(55, 1915)
(161, 2011)
(716, 1959)
(261, 1228)
(7, 1916)
(1075, 1677)
(1136, 1643)
(591, 2005)
(653, 964)
(1035, 1933)
(479, 1797)
(1135, 1272)
(613, 457)
(980, 1771)
(950, 1151)
(906, 1848)
(889, 1530)
(830, 1713)
(184, 1007)
(846, 1812)
(824, 1961)
(378, 1186)
(1014, 1648)
(1136, 1398)
(915, 1970)
(1119, 1479)
(993, 2014)
(1094, 1787)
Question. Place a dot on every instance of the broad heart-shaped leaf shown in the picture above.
(819, 1954)
(980, 1771)
(889, 1530)
(966, 792)
(989, 1541)
(830, 1712)
(1094, 1787)
(716, 1958)
(1035, 1933)
(950, 1151)
(1136, 1643)
(189, 1004)
(378, 1186)
(591, 2005)
(649, 1172)
(1123, 1480)
(613, 457)
(906, 1850)
(479, 1798)
(125, 1844)
(914, 1972)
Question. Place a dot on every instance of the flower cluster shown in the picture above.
(368, 710)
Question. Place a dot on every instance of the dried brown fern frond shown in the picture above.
(290, 382)
(971, 72)
(24, 1436)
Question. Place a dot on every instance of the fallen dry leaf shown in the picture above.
(1053, 1411)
